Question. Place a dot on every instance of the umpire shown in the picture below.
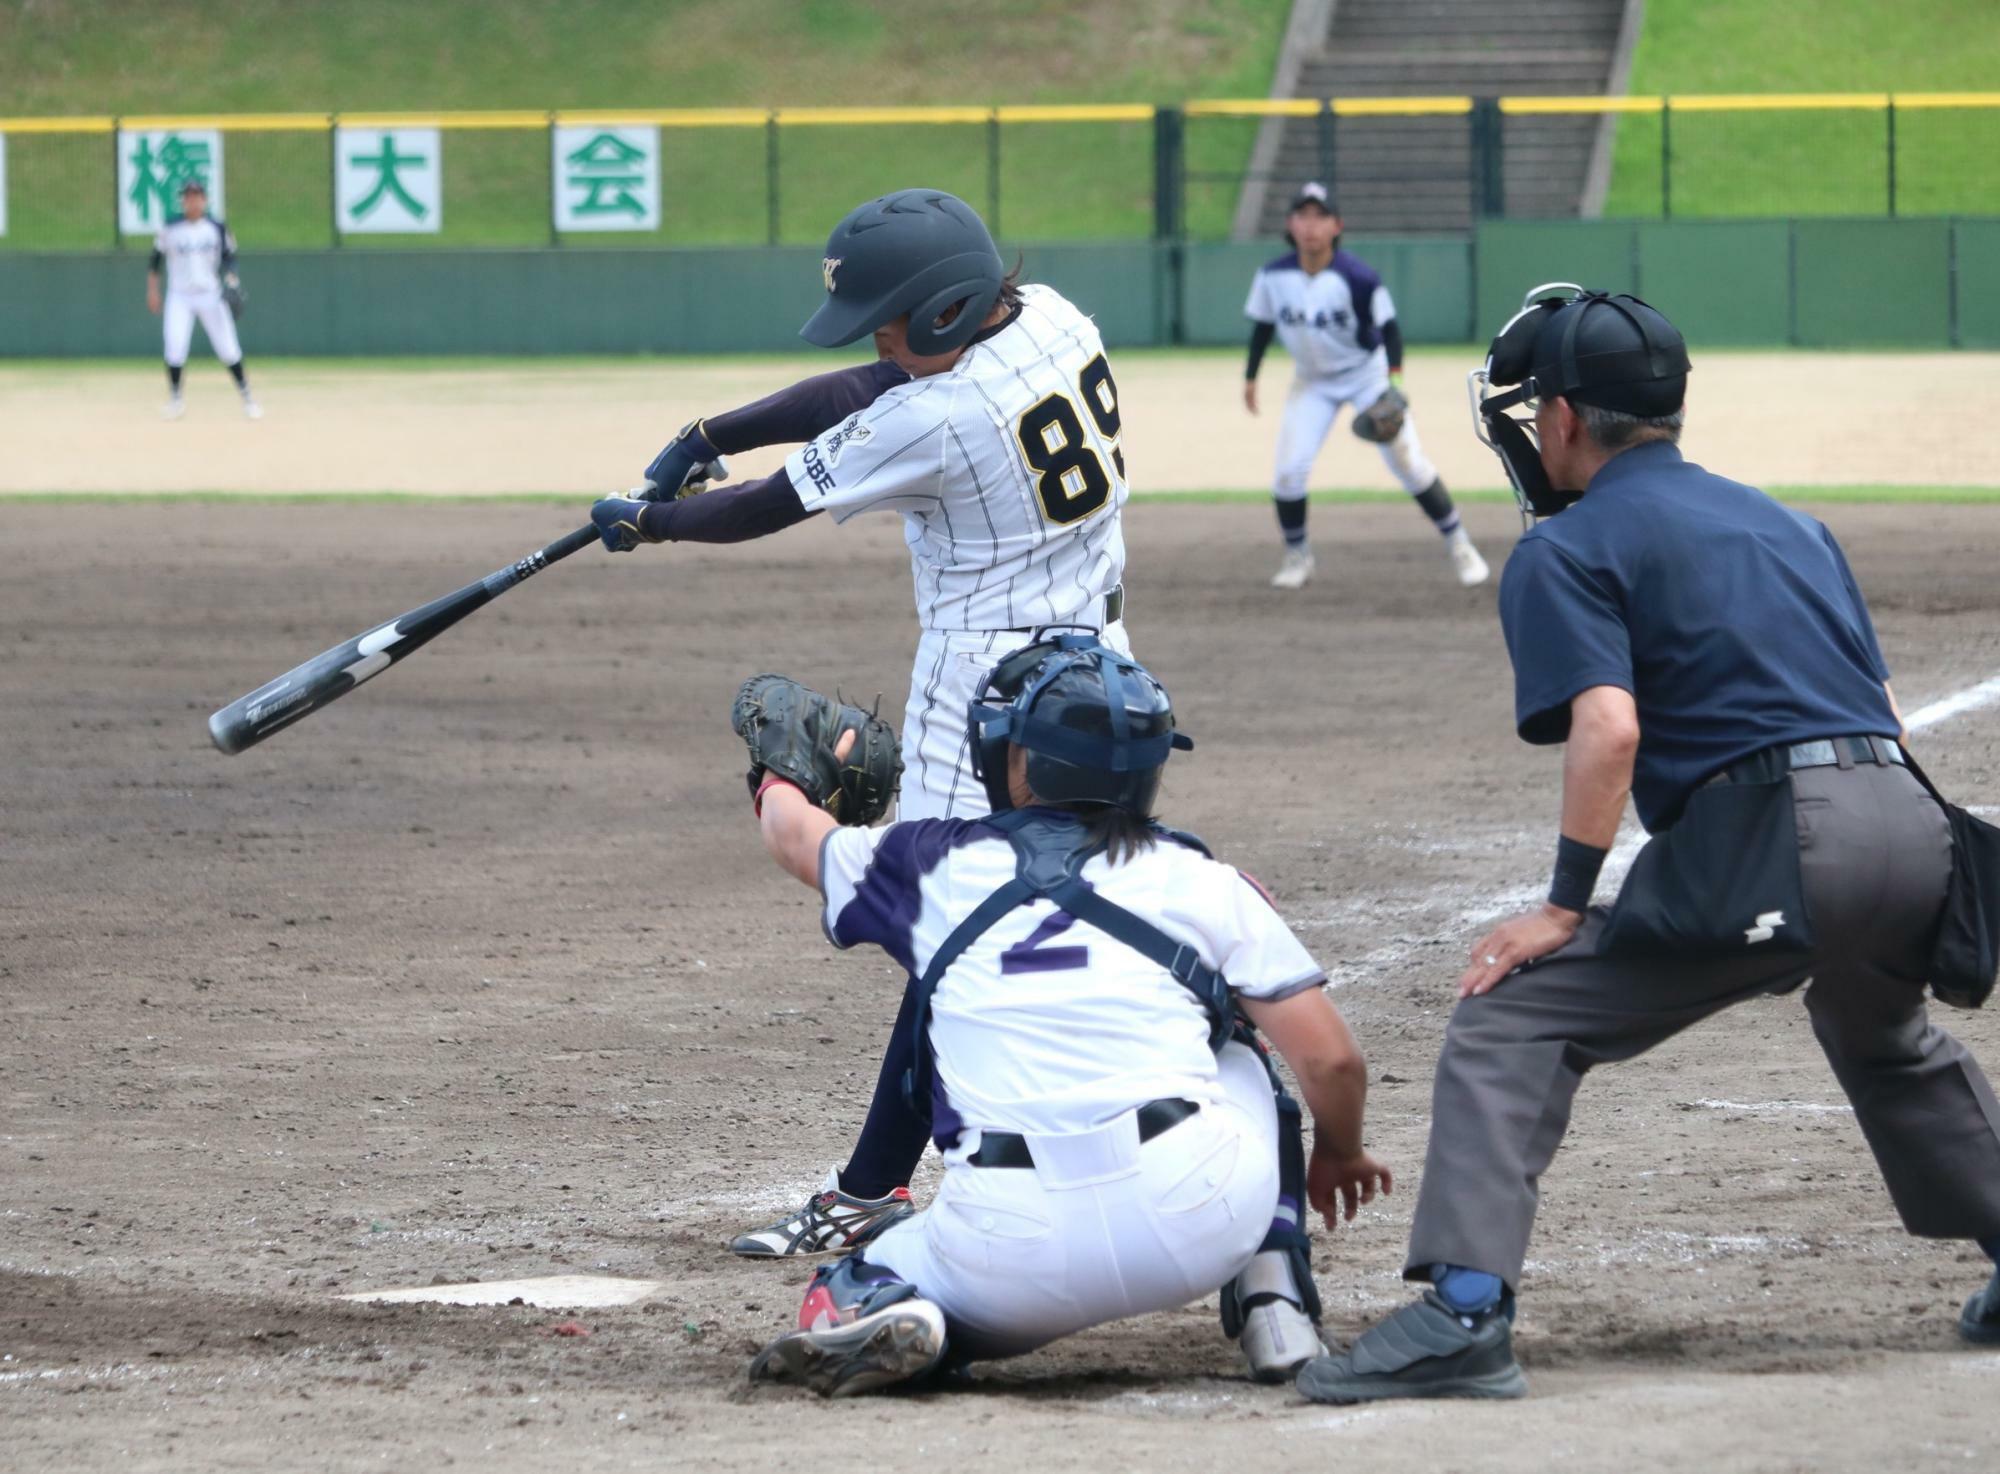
(1706, 649)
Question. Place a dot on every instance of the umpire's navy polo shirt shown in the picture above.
(1732, 620)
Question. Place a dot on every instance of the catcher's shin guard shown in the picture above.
(1273, 1306)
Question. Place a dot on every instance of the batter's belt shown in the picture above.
(1114, 610)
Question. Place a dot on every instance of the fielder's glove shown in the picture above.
(233, 295)
(791, 731)
(1382, 421)
(684, 468)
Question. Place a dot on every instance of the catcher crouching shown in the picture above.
(1085, 983)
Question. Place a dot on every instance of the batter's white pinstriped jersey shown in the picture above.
(1006, 468)
(194, 251)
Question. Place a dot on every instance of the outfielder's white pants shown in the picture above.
(177, 317)
(1101, 1227)
(1310, 412)
(937, 750)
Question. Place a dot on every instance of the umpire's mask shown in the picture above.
(1615, 352)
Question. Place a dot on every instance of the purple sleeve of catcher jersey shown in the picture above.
(803, 412)
(873, 880)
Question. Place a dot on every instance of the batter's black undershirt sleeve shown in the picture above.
(158, 260)
(803, 412)
(1261, 334)
(1392, 344)
(730, 514)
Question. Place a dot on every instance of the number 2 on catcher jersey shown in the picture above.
(1071, 481)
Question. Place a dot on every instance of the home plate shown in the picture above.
(550, 1292)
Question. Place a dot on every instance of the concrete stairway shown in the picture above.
(1395, 175)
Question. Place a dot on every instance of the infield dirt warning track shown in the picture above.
(1791, 419)
(480, 975)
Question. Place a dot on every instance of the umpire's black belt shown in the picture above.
(1007, 1149)
(1823, 752)
(1114, 610)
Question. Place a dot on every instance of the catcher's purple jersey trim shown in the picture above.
(889, 897)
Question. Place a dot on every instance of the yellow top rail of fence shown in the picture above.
(234, 122)
(822, 116)
(678, 117)
(1117, 112)
(1400, 107)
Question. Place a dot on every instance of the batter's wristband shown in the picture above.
(1575, 879)
(770, 781)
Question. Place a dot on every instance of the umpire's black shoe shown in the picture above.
(1424, 1350)
(1979, 1322)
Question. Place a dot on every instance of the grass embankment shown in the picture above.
(1947, 161)
(1055, 180)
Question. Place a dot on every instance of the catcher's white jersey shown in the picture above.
(1048, 1028)
(1045, 1025)
(1329, 321)
(1007, 470)
(194, 251)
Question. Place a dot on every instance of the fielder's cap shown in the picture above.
(1312, 192)
(193, 186)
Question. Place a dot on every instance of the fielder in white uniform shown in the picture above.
(990, 423)
(199, 255)
(1104, 1158)
(1337, 321)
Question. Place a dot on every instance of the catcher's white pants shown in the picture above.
(1101, 1227)
(1310, 412)
(178, 315)
(937, 749)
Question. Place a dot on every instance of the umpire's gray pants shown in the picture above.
(1875, 856)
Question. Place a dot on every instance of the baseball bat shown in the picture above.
(327, 677)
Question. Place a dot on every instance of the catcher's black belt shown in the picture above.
(1824, 752)
(1007, 1149)
(1114, 610)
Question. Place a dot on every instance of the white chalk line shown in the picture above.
(1972, 698)
(1805, 1107)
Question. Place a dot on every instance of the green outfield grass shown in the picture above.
(1813, 163)
(1055, 181)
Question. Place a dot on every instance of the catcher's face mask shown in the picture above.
(1508, 363)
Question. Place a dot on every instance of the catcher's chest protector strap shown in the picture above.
(1049, 854)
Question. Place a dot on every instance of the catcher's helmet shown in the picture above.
(1097, 727)
(917, 251)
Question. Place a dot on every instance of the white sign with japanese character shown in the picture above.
(155, 164)
(606, 178)
(388, 181)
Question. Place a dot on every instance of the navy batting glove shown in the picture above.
(619, 523)
(671, 468)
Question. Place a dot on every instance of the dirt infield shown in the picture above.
(480, 974)
(1772, 419)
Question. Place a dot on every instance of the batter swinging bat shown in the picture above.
(327, 677)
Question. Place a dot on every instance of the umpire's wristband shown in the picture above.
(1575, 879)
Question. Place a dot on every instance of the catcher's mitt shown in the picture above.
(1382, 421)
(791, 730)
(233, 294)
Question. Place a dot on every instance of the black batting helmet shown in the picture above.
(1096, 726)
(919, 251)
